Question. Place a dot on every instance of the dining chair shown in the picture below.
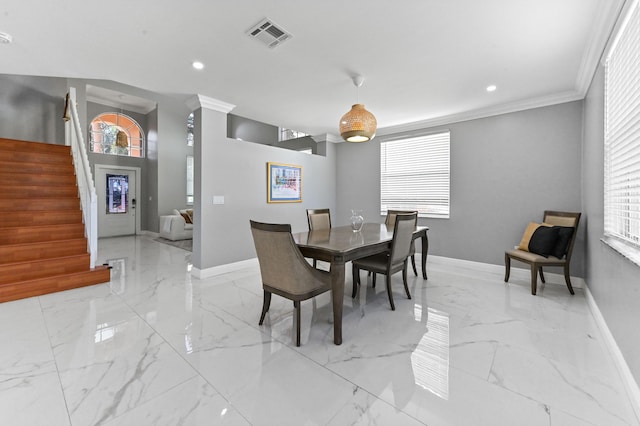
(392, 261)
(318, 219)
(390, 220)
(284, 270)
(553, 247)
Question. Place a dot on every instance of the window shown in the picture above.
(622, 134)
(191, 124)
(116, 134)
(190, 180)
(117, 194)
(287, 134)
(414, 175)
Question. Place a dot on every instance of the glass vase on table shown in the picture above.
(356, 220)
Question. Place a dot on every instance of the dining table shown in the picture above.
(342, 244)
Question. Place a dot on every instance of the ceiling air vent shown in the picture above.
(269, 33)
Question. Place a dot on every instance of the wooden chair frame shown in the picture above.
(537, 262)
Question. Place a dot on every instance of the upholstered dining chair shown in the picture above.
(318, 219)
(390, 262)
(390, 220)
(284, 270)
(554, 248)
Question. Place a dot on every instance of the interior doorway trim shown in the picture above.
(136, 170)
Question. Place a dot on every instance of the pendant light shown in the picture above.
(358, 125)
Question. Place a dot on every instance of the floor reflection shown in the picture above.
(430, 359)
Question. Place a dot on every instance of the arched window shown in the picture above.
(116, 134)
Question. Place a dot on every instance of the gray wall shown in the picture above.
(254, 131)
(613, 281)
(237, 170)
(27, 100)
(251, 130)
(505, 171)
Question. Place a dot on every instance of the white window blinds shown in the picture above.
(414, 175)
(622, 134)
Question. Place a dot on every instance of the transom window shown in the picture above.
(414, 175)
(116, 134)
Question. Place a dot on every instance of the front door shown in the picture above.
(116, 190)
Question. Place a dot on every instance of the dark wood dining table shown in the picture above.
(340, 245)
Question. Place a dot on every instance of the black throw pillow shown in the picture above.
(543, 240)
(564, 237)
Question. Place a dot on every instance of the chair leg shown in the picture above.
(393, 306)
(265, 305)
(534, 279)
(541, 275)
(413, 264)
(315, 263)
(355, 272)
(373, 280)
(404, 280)
(507, 267)
(296, 305)
(567, 278)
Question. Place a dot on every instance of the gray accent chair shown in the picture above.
(318, 219)
(284, 270)
(392, 261)
(536, 262)
(390, 220)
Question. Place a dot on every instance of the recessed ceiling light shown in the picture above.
(198, 65)
(491, 88)
(5, 38)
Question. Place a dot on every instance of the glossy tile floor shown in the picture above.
(158, 347)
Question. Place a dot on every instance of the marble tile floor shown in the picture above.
(156, 346)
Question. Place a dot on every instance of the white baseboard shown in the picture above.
(631, 386)
(223, 269)
(150, 234)
(518, 273)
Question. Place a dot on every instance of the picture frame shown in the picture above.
(284, 183)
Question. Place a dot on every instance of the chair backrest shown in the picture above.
(391, 216)
(318, 219)
(403, 229)
(568, 219)
(282, 266)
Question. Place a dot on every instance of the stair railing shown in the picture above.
(86, 188)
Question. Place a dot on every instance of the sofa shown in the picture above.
(177, 226)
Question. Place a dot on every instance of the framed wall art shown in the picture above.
(284, 183)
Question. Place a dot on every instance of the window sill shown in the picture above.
(629, 252)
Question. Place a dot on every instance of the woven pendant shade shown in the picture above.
(358, 125)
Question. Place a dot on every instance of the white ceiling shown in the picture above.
(423, 60)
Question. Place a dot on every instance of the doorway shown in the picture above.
(118, 193)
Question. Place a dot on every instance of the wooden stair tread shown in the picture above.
(32, 234)
(52, 284)
(17, 145)
(43, 217)
(12, 253)
(39, 204)
(42, 268)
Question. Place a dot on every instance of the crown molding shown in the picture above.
(603, 27)
(327, 137)
(200, 101)
(516, 106)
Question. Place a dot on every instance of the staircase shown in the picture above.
(43, 248)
